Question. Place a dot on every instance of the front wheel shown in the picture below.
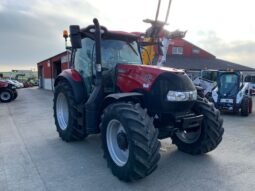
(250, 105)
(6, 95)
(245, 106)
(129, 141)
(204, 138)
(66, 114)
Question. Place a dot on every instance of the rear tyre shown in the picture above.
(66, 114)
(130, 141)
(250, 105)
(205, 138)
(15, 95)
(245, 106)
(6, 95)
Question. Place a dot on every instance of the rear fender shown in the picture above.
(74, 79)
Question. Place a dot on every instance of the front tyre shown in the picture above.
(129, 141)
(250, 105)
(245, 106)
(6, 95)
(205, 138)
(66, 114)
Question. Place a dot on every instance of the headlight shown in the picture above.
(181, 96)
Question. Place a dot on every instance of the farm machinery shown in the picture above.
(232, 93)
(251, 80)
(8, 92)
(207, 81)
(110, 91)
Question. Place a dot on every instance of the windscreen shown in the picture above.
(113, 52)
(229, 84)
(117, 51)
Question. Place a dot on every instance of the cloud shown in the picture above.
(32, 30)
(239, 51)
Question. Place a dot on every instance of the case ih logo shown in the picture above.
(147, 77)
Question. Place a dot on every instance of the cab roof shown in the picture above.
(109, 34)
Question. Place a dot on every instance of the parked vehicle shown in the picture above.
(232, 94)
(207, 81)
(133, 105)
(251, 80)
(8, 92)
(16, 83)
(27, 84)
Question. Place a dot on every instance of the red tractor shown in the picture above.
(110, 91)
(8, 92)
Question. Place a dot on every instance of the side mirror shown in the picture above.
(75, 36)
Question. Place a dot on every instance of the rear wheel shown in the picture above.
(245, 106)
(129, 141)
(250, 104)
(15, 95)
(6, 95)
(204, 138)
(66, 114)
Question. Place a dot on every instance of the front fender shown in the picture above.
(74, 79)
(132, 96)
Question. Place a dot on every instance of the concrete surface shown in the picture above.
(33, 157)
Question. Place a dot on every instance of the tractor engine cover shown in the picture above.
(155, 82)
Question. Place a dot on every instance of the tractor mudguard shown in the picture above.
(132, 96)
(75, 81)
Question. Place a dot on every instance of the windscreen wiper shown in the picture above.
(132, 48)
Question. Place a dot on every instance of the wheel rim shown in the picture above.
(117, 142)
(190, 136)
(5, 96)
(62, 111)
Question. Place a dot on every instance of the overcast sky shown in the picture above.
(31, 30)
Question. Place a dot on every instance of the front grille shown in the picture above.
(156, 98)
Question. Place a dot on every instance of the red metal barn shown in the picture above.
(184, 48)
(48, 69)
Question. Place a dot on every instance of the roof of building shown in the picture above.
(62, 53)
(191, 63)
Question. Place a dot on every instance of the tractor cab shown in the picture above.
(116, 48)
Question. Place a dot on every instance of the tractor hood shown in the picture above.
(132, 77)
